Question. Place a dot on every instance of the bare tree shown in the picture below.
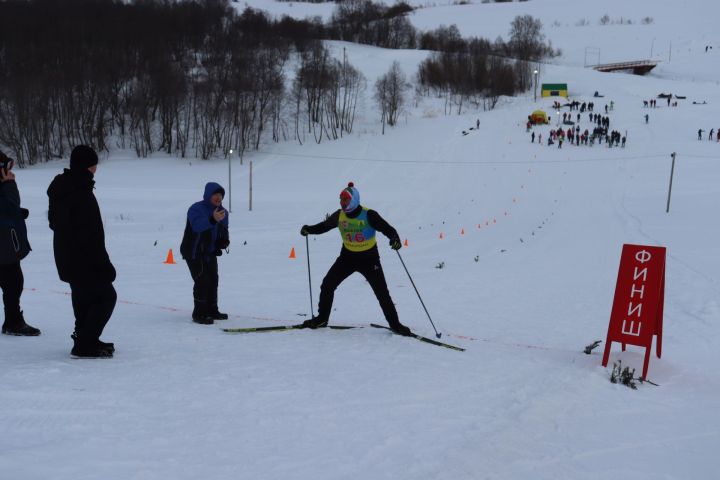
(390, 94)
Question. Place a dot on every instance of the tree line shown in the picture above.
(196, 78)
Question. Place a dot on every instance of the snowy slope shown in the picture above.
(185, 401)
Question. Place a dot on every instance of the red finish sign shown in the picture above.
(637, 311)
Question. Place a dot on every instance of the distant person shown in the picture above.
(647, 118)
(532, 137)
(359, 253)
(206, 235)
(700, 132)
(710, 135)
(14, 246)
(80, 254)
(477, 124)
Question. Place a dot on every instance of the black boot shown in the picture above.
(315, 322)
(201, 314)
(216, 314)
(89, 348)
(400, 329)
(203, 319)
(109, 346)
(15, 325)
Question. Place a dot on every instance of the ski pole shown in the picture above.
(307, 248)
(437, 334)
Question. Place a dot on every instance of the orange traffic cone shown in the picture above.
(441, 236)
(170, 260)
(406, 242)
(462, 231)
(292, 253)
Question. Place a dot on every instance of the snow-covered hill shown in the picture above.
(531, 243)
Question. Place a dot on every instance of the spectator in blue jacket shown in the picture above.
(206, 235)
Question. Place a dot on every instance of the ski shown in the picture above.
(422, 339)
(280, 328)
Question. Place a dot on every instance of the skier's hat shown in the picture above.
(353, 195)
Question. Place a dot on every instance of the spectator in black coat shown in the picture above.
(80, 254)
(14, 246)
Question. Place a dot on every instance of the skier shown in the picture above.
(532, 137)
(710, 135)
(206, 235)
(647, 118)
(14, 246)
(359, 253)
(700, 132)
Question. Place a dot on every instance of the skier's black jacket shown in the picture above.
(375, 220)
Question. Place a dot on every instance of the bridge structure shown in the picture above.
(638, 67)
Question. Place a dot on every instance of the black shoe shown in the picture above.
(90, 352)
(107, 346)
(315, 322)
(216, 315)
(110, 347)
(401, 329)
(203, 319)
(20, 330)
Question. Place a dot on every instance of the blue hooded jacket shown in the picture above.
(204, 237)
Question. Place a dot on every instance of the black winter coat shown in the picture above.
(14, 245)
(79, 237)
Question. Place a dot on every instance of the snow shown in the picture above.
(185, 401)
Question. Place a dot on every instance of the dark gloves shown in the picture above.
(304, 231)
(395, 244)
(222, 243)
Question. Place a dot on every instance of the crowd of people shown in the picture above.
(575, 135)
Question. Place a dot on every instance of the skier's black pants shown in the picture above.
(368, 265)
(205, 289)
(93, 305)
(11, 282)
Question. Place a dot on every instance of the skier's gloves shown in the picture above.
(395, 244)
(304, 231)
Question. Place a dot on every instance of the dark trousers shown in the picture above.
(11, 282)
(93, 305)
(205, 288)
(368, 265)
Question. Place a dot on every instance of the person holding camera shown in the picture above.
(80, 255)
(206, 235)
(359, 253)
(14, 246)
